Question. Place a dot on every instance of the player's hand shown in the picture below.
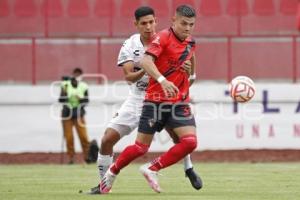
(169, 88)
(187, 66)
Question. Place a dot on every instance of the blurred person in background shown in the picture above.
(74, 96)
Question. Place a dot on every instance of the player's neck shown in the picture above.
(145, 41)
(176, 35)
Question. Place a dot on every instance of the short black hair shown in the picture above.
(143, 11)
(77, 71)
(186, 11)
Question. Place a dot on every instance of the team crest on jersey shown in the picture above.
(151, 122)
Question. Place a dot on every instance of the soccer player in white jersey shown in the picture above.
(127, 117)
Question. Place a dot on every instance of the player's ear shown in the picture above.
(135, 23)
(173, 19)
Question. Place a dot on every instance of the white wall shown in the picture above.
(30, 118)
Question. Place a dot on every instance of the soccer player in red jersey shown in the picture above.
(166, 101)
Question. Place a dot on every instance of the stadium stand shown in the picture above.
(237, 7)
(264, 7)
(25, 8)
(266, 19)
(288, 7)
(123, 18)
(52, 8)
(4, 10)
(214, 21)
(210, 7)
(20, 18)
(81, 18)
(162, 12)
(78, 8)
(223, 27)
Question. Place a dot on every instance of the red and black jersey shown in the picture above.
(170, 54)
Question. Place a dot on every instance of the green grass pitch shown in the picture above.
(232, 181)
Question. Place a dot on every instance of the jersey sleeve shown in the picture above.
(125, 53)
(157, 44)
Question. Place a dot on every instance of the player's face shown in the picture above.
(75, 74)
(146, 26)
(183, 26)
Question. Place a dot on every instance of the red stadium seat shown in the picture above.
(52, 8)
(210, 7)
(162, 12)
(176, 3)
(161, 8)
(124, 18)
(25, 8)
(237, 7)
(288, 7)
(264, 7)
(104, 8)
(78, 8)
(4, 9)
(213, 21)
(81, 19)
(266, 20)
(23, 21)
(128, 7)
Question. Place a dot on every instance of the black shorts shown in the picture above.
(156, 116)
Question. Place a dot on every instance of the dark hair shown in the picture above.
(185, 11)
(143, 11)
(77, 71)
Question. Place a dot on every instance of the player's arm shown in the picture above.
(130, 74)
(193, 70)
(147, 63)
(189, 67)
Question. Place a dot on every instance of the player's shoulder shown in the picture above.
(191, 39)
(165, 33)
(161, 37)
(135, 37)
(133, 40)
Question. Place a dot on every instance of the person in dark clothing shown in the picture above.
(74, 96)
